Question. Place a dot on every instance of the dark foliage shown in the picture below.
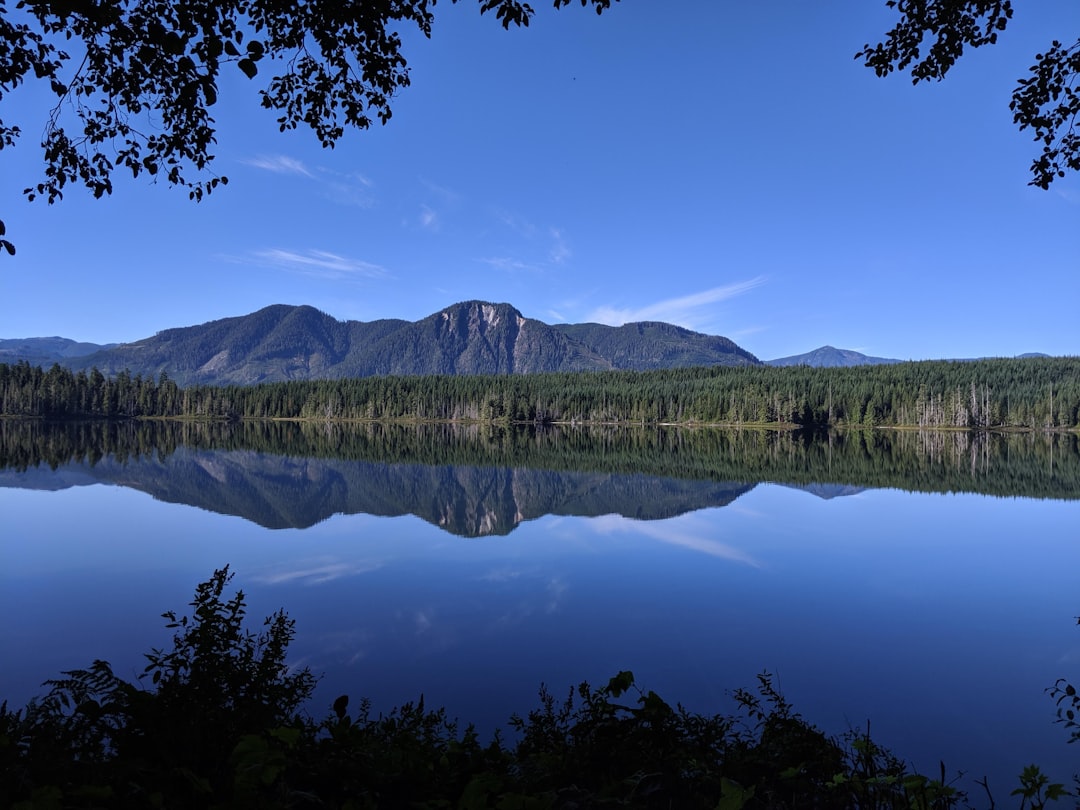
(1034, 393)
(1067, 700)
(220, 723)
(167, 740)
(931, 36)
(135, 80)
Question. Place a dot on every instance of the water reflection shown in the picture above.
(475, 481)
(941, 617)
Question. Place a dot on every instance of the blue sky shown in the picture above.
(726, 166)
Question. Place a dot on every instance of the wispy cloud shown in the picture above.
(694, 542)
(556, 591)
(516, 224)
(352, 177)
(319, 263)
(509, 264)
(500, 575)
(280, 164)
(344, 194)
(429, 219)
(551, 240)
(1068, 195)
(747, 332)
(438, 206)
(447, 195)
(347, 188)
(422, 620)
(678, 532)
(559, 251)
(687, 310)
(315, 573)
(343, 188)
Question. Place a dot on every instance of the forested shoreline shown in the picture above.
(1001, 463)
(1022, 393)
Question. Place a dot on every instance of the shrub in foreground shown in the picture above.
(219, 721)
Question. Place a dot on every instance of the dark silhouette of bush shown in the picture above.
(219, 720)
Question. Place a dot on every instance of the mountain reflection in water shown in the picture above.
(475, 480)
(282, 492)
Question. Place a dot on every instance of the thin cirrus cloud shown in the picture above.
(685, 532)
(429, 218)
(515, 223)
(688, 310)
(343, 188)
(559, 251)
(280, 164)
(350, 188)
(508, 264)
(320, 263)
(315, 572)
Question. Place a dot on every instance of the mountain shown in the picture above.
(45, 351)
(655, 345)
(474, 337)
(830, 357)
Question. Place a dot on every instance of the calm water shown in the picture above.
(873, 575)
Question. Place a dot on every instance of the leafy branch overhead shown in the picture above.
(146, 73)
(134, 80)
(932, 34)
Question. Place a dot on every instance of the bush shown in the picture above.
(219, 721)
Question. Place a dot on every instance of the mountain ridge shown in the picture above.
(283, 342)
(831, 357)
(47, 350)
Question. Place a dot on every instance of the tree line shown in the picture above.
(1032, 393)
(1005, 464)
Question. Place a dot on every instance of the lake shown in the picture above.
(923, 582)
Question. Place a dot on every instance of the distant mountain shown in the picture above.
(830, 357)
(654, 345)
(45, 351)
(475, 337)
